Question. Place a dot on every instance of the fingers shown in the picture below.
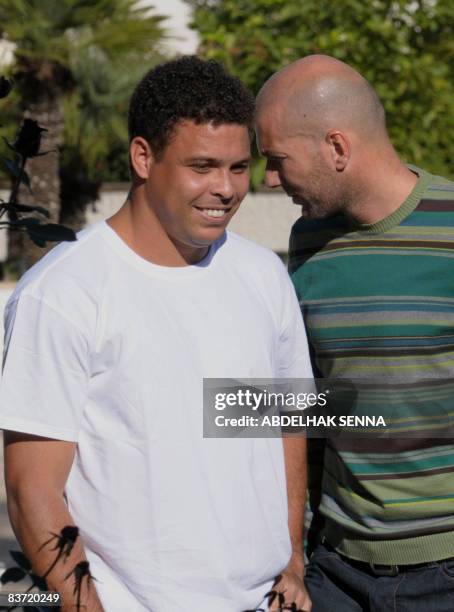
(304, 603)
(306, 606)
(276, 599)
(289, 593)
(299, 601)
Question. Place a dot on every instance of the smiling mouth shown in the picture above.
(215, 213)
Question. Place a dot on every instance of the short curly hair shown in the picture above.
(186, 88)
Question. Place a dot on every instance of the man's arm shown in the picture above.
(36, 470)
(294, 363)
(291, 583)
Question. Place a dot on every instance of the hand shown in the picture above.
(290, 584)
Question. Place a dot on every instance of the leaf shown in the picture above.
(38, 241)
(9, 144)
(27, 222)
(21, 560)
(271, 597)
(39, 581)
(51, 231)
(11, 166)
(14, 170)
(12, 574)
(28, 141)
(27, 208)
(70, 533)
(5, 87)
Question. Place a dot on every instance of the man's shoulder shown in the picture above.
(251, 253)
(308, 236)
(67, 275)
(315, 227)
(439, 189)
(258, 265)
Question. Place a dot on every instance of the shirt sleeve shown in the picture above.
(294, 358)
(43, 389)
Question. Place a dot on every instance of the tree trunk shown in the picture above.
(77, 192)
(44, 179)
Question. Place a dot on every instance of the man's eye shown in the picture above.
(240, 169)
(200, 168)
(273, 163)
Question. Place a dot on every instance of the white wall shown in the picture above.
(182, 39)
(6, 53)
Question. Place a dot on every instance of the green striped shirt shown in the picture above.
(378, 302)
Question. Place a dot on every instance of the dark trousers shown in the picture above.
(336, 586)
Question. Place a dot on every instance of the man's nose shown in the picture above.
(223, 187)
(272, 178)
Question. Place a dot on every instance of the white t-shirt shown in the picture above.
(107, 349)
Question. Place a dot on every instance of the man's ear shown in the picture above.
(141, 157)
(339, 149)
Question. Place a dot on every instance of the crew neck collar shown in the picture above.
(405, 209)
(152, 269)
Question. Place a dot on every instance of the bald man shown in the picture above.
(372, 260)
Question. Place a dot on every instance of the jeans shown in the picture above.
(336, 586)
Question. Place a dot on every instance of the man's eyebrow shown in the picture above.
(266, 153)
(215, 162)
(207, 160)
(246, 160)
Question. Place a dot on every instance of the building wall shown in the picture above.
(181, 39)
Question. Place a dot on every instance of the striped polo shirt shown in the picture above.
(378, 302)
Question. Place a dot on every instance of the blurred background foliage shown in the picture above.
(405, 48)
(74, 66)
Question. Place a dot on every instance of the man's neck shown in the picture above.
(140, 229)
(382, 193)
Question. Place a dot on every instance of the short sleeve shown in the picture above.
(294, 358)
(43, 389)
(293, 260)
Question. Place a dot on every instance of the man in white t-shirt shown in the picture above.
(107, 342)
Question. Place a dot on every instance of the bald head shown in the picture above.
(319, 93)
(322, 129)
